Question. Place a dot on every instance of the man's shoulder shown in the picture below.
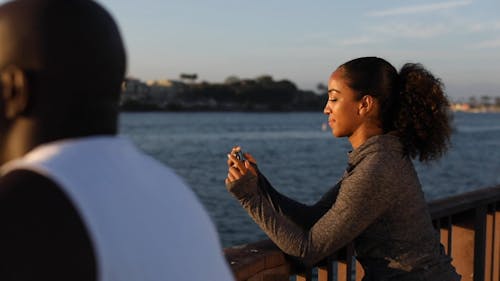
(26, 185)
(28, 197)
(43, 228)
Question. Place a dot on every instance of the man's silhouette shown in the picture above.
(76, 201)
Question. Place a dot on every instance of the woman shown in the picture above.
(389, 118)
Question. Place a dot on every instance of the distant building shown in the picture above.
(134, 90)
(460, 107)
(156, 93)
(164, 91)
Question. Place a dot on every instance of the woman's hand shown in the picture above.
(238, 168)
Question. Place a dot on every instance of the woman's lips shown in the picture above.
(331, 122)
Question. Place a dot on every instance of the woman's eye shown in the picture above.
(332, 99)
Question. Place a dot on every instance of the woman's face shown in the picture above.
(342, 107)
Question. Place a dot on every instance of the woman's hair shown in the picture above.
(412, 103)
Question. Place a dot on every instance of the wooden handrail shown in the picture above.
(469, 227)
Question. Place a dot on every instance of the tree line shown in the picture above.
(260, 94)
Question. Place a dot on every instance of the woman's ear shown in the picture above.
(367, 105)
(14, 90)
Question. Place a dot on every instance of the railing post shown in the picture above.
(304, 276)
(359, 271)
(480, 243)
(496, 245)
(345, 267)
(462, 246)
(445, 234)
(325, 272)
(490, 224)
(492, 262)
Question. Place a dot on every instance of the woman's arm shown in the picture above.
(301, 214)
(363, 197)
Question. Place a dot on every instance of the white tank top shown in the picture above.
(144, 222)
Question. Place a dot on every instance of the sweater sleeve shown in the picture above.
(363, 197)
(301, 214)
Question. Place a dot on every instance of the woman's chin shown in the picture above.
(338, 134)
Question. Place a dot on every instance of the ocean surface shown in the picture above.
(299, 157)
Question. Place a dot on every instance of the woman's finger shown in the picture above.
(235, 173)
(231, 177)
(237, 163)
(250, 158)
(250, 168)
(235, 149)
(231, 160)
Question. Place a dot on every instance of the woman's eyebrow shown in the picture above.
(334, 90)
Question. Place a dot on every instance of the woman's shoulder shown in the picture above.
(384, 163)
(378, 146)
(379, 152)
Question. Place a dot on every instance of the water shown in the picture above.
(299, 159)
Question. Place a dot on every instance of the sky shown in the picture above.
(304, 41)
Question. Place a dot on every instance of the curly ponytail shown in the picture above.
(412, 103)
(422, 119)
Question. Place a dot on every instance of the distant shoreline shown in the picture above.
(479, 110)
(222, 111)
(273, 111)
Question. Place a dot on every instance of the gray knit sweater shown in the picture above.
(378, 203)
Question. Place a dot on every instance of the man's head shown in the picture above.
(61, 64)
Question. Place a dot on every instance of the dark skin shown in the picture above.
(42, 63)
(61, 68)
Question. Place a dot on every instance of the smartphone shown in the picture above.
(239, 155)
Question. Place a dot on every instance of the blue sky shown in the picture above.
(304, 41)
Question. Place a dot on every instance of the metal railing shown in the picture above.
(469, 227)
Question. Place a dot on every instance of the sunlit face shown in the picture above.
(342, 107)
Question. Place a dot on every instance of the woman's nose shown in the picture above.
(326, 110)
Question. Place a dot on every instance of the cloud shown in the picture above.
(411, 30)
(488, 44)
(420, 8)
(383, 32)
(484, 26)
